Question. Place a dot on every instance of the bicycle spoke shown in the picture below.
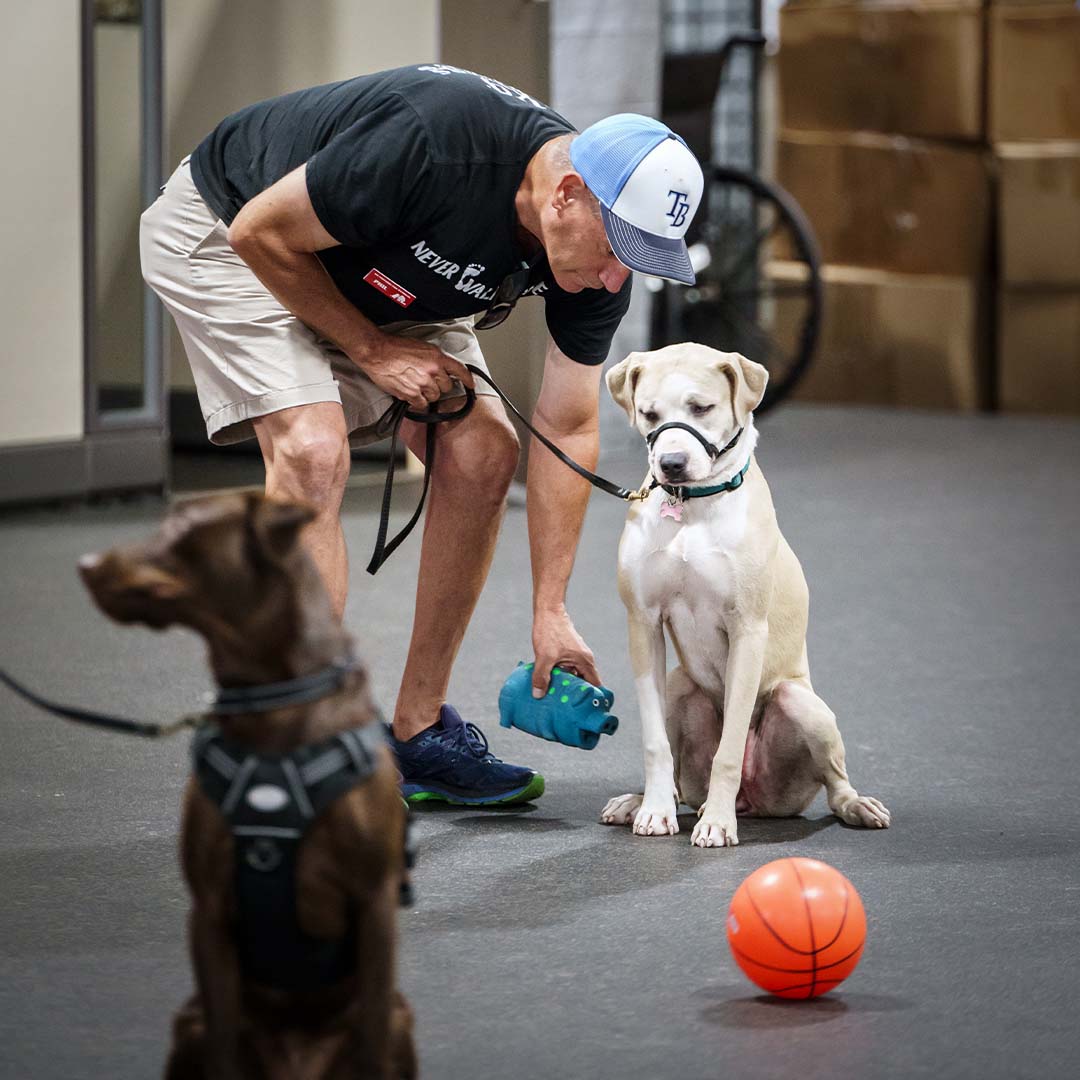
(742, 263)
(755, 333)
(737, 305)
(721, 225)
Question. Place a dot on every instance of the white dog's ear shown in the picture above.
(622, 381)
(748, 381)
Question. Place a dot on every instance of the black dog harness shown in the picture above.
(269, 803)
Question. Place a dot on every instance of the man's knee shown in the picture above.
(310, 462)
(489, 457)
(503, 451)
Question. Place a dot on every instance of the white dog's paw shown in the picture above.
(715, 830)
(656, 819)
(621, 809)
(867, 812)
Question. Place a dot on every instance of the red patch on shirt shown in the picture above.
(389, 288)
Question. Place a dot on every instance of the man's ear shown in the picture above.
(622, 381)
(748, 381)
(277, 525)
(570, 188)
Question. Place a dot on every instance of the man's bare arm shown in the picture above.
(277, 234)
(567, 413)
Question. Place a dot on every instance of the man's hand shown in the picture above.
(411, 370)
(277, 234)
(557, 644)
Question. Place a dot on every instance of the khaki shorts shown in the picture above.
(249, 355)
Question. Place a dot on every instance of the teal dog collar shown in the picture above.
(683, 493)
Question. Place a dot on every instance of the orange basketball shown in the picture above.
(796, 927)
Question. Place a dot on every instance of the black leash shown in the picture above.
(391, 422)
(627, 494)
(229, 701)
(96, 719)
(596, 481)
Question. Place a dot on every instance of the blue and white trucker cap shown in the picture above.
(649, 185)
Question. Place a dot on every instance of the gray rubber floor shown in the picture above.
(942, 555)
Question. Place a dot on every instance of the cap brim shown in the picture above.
(647, 253)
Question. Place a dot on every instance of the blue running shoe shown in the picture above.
(451, 763)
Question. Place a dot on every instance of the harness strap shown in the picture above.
(353, 750)
(238, 785)
(266, 696)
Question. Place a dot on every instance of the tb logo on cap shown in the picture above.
(629, 162)
(679, 206)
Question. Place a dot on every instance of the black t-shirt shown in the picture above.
(414, 171)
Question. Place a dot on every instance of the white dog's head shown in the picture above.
(710, 391)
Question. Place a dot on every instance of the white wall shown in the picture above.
(219, 55)
(40, 225)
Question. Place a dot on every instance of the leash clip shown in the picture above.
(640, 495)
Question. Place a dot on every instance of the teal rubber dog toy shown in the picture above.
(572, 712)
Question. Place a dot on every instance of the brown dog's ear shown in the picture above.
(622, 381)
(155, 583)
(277, 525)
(748, 381)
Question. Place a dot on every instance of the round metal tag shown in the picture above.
(263, 854)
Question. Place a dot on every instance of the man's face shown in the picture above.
(577, 246)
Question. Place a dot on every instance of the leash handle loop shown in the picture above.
(400, 411)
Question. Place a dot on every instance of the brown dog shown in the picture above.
(232, 568)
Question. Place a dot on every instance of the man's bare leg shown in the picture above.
(306, 452)
(475, 459)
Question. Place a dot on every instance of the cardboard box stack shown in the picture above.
(1034, 126)
(891, 116)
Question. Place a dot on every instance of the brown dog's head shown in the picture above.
(229, 566)
(713, 392)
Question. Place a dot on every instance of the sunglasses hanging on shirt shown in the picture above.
(508, 294)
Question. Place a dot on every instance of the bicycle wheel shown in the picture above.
(759, 290)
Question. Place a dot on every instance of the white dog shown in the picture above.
(736, 728)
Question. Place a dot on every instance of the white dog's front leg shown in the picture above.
(657, 815)
(716, 826)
